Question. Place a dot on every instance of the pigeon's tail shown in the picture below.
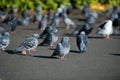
(82, 47)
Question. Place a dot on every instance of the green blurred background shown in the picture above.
(53, 4)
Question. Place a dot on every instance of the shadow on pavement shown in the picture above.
(115, 54)
(10, 51)
(46, 57)
(74, 51)
(95, 37)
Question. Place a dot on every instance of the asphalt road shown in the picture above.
(100, 62)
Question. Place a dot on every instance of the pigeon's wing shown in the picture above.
(101, 25)
(57, 50)
(47, 40)
(86, 40)
(54, 37)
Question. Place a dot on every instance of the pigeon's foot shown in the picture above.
(12, 32)
(52, 46)
(108, 38)
(62, 58)
(24, 53)
(67, 28)
(41, 30)
(29, 52)
(36, 22)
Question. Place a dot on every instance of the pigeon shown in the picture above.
(30, 43)
(85, 9)
(37, 17)
(56, 18)
(49, 27)
(25, 18)
(68, 22)
(107, 29)
(4, 40)
(3, 15)
(43, 23)
(5, 28)
(82, 42)
(51, 38)
(116, 22)
(62, 48)
(1, 30)
(86, 27)
(12, 20)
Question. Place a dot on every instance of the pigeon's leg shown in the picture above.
(62, 58)
(108, 37)
(12, 32)
(68, 27)
(29, 52)
(36, 22)
(51, 45)
(34, 50)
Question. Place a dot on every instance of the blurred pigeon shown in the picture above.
(107, 29)
(50, 15)
(1, 30)
(43, 23)
(116, 21)
(4, 40)
(90, 19)
(85, 9)
(69, 8)
(3, 15)
(24, 21)
(25, 18)
(37, 17)
(82, 41)
(86, 27)
(56, 19)
(62, 48)
(30, 43)
(51, 38)
(68, 22)
(47, 30)
(13, 21)
(5, 27)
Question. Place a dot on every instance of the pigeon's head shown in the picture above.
(82, 33)
(6, 34)
(65, 39)
(35, 35)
